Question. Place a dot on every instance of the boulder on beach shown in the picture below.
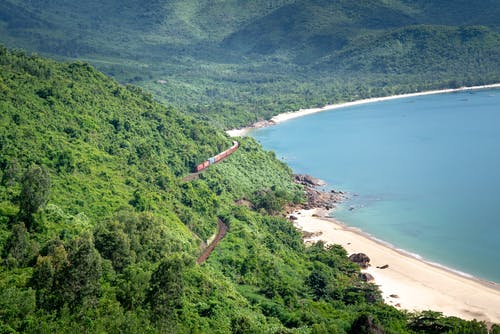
(365, 277)
(360, 258)
(385, 266)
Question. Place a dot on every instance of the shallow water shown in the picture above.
(423, 172)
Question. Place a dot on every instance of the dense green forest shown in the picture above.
(231, 63)
(98, 232)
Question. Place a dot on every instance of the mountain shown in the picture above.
(438, 51)
(235, 62)
(312, 29)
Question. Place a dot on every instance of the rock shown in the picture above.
(365, 324)
(292, 217)
(360, 258)
(398, 305)
(365, 277)
(318, 198)
(394, 296)
(385, 266)
(309, 180)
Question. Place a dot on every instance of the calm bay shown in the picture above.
(422, 172)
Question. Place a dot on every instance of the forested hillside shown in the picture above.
(234, 62)
(98, 232)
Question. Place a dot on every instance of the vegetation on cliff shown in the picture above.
(98, 232)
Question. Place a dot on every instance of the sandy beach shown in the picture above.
(304, 112)
(408, 282)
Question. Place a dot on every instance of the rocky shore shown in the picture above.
(317, 197)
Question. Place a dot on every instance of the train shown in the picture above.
(216, 158)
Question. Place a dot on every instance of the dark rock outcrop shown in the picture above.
(365, 277)
(309, 180)
(317, 198)
(360, 258)
(365, 324)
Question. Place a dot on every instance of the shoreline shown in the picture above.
(286, 116)
(410, 282)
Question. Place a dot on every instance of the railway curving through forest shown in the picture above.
(222, 227)
(221, 232)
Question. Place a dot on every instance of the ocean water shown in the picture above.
(423, 173)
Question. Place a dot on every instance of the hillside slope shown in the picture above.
(98, 232)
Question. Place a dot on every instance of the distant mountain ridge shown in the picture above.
(235, 62)
(327, 26)
(257, 26)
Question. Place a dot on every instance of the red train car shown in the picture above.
(217, 158)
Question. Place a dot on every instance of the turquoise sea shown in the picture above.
(423, 173)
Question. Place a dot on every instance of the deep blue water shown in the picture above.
(423, 172)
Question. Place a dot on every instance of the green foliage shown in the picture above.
(15, 304)
(435, 322)
(251, 170)
(35, 187)
(20, 249)
(68, 277)
(112, 246)
(166, 286)
(231, 63)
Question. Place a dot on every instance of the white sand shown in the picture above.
(303, 112)
(417, 284)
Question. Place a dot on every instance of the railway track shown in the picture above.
(190, 177)
(222, 228)
(221, 232)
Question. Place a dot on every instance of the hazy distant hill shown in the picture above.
(312, 29)
(233, 62)
(263, 26)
